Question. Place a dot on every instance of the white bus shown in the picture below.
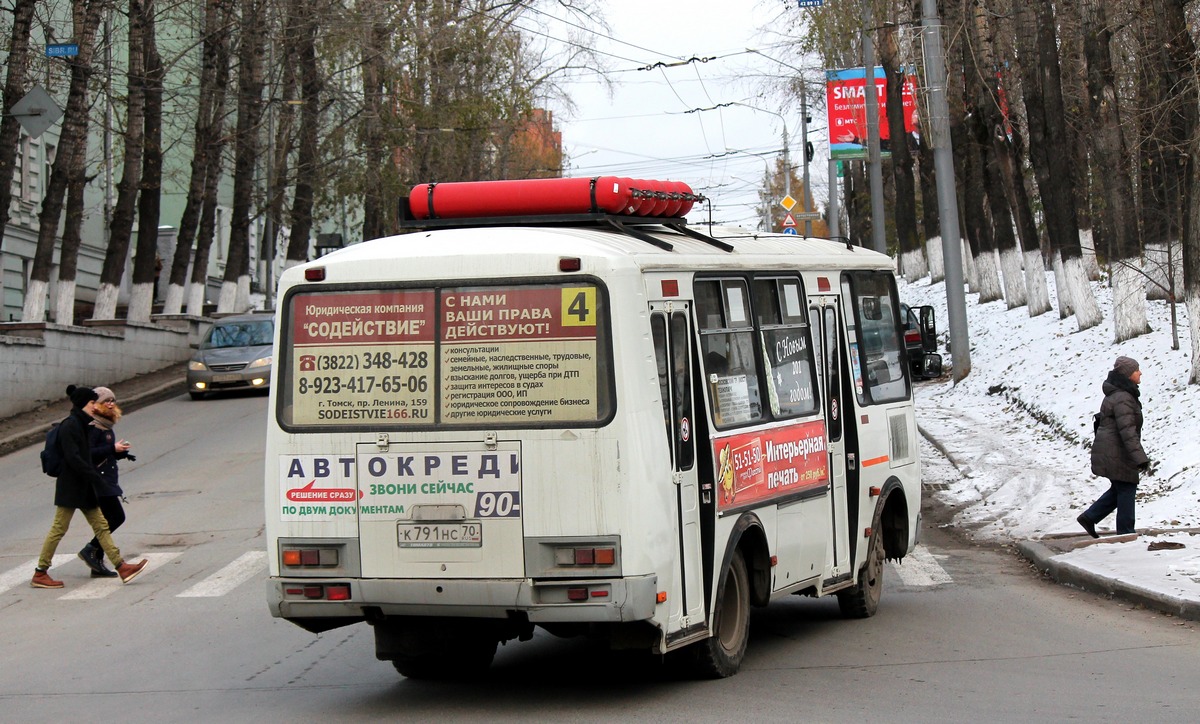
(617, 426)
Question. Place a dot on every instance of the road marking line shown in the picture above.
(921, 570)
(24, 572)
(101, 587)
(229, 577)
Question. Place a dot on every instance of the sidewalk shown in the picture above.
(29, 428)
(1156, 568)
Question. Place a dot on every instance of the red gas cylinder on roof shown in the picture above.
(543, 197)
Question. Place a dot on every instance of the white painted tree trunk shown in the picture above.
(1162, 264)
(35, 302)
(913, 265)
(937, 261)
(970, 273)
(1129, 300)
(987, 267)
(235, 296)
(1035, 284)
(1193, 313)
(1014, 278)
(141, 303)
(1087, 248)
(174, 301)
(1061, 288)
(1087, 312)
(227, 301)
(195, 299)
(243, 294)
(64, 302)
(106, 302)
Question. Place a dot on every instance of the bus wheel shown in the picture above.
(862, 601)
(721, 654)
(466, 660)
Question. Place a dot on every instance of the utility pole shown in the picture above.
(804, 137)
(871, 96)
(943, 162)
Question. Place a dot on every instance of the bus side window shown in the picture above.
(786, 346)
(877, 352)
(681, 391)
(727, 345)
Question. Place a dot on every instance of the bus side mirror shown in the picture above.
(928, 329)
(870, 308)
(931, 366)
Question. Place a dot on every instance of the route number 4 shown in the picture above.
(579, 307)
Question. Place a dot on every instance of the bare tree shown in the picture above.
(147, 263)
(913, 264)
(17, 70)
(72, 144)
(1110, 153)
(120, 228)
(235, 290)
(207, 146)
(306, 28)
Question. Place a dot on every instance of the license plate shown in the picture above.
(458, 534)
(226, 378)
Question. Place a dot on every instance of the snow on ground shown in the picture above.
(1019, 429)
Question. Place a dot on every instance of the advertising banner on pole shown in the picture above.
(848, 115)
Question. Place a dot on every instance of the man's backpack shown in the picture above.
(52, 457)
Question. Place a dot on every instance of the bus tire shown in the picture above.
(721, 654)
(465, 661)
(862, 601)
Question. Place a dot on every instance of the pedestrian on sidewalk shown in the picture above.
(1117, 452)
(106, 450)
(76, 488)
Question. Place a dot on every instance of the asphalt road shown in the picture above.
(974, 634)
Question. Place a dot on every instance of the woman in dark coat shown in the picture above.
(106, 450)
(1117, 453)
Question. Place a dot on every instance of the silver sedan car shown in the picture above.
(235, 354)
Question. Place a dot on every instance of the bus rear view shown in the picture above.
(490, 426)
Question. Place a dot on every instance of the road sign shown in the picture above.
(791, 230)
(788, 202)
(808, 215)
(62, 50)
(810, 3)
(36, 112)
(789, 220)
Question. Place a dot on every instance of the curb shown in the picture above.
(1071, 575)
(37, 433)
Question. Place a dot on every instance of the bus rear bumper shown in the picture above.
(632, 598)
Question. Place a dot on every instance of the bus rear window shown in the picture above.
(496, 356)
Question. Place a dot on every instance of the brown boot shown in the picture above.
(42, 579)
(129, 571)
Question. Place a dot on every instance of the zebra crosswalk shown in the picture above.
(223, 581)
(920, 569)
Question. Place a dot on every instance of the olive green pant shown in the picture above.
(62, 521)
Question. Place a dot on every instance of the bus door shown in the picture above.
(823, 320)
(671, 328)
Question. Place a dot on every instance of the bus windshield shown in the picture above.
(500, 356)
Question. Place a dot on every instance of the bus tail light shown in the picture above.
(585, 556)
(309, 557)
(314, 274)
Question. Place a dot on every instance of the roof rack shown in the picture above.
(633, 226)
